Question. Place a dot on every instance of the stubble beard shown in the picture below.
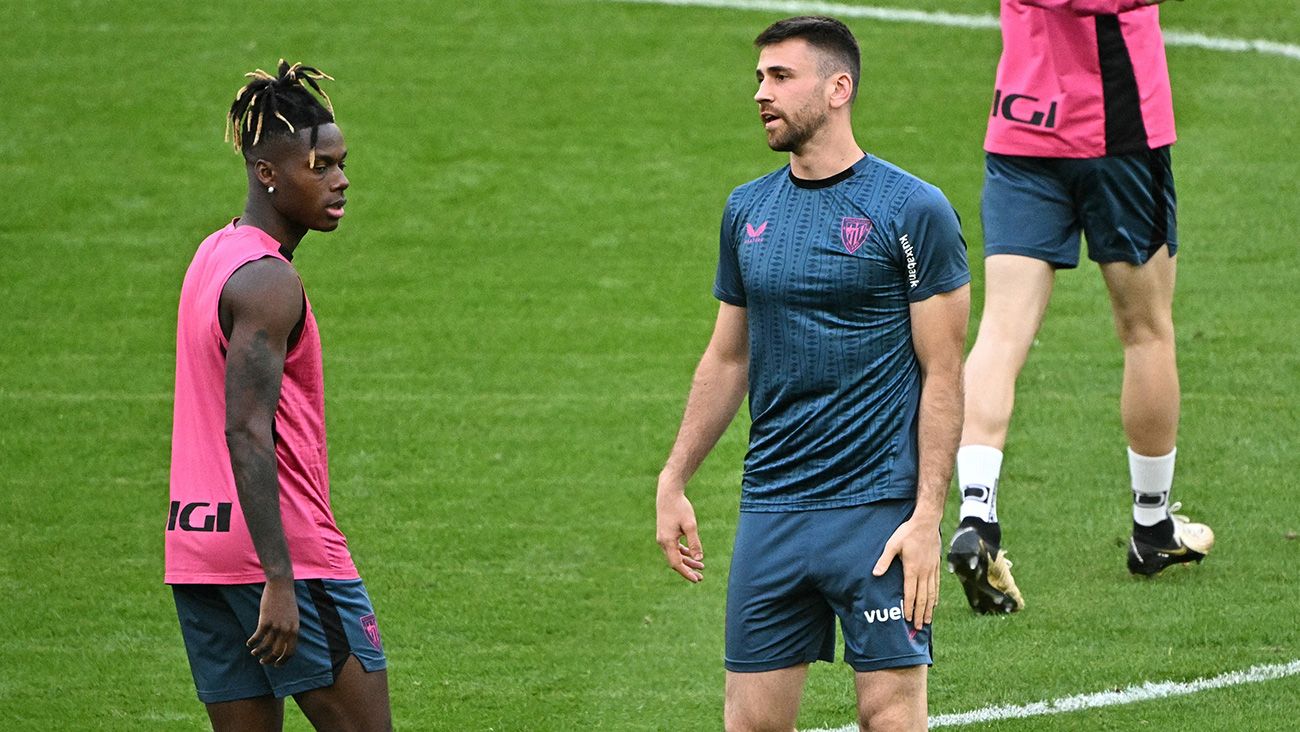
(798, 129)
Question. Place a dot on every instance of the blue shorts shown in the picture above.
(793, 573)
(335, 621)
(1124, 204)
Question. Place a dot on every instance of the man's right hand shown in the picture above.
(717, 390)
(675, 520)
(276, 637)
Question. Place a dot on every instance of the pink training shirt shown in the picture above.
(1080, 79)
(207, 541)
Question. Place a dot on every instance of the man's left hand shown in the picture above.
(917, 545)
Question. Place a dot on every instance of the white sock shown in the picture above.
(1152, 478)
(978, 467)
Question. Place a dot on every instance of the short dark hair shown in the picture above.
(278, 106)
(839, 48)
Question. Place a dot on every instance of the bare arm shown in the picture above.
(262, 302)
(719, 386)
(939, 338)
(1091, 7)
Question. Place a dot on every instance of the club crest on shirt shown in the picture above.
(371, 628)
(854, 231)
(754, 234)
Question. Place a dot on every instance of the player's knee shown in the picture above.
(1003, 335)
(893, 700)
(1144, 329)
(1143, 321)
(996, 358)
(900, 716)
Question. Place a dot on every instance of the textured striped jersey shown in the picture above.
(826, 271)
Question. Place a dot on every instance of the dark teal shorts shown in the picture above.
(792, 574)
(1124, 205)
(335, 621)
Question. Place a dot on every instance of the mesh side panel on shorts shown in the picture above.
(1159, 181)
(335, 636)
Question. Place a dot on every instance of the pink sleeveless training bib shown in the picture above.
(207, 541)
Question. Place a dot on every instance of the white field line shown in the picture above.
(959, 20)
(1128, 695)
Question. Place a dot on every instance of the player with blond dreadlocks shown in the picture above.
(269, 601)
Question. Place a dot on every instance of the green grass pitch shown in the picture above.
(511, 314)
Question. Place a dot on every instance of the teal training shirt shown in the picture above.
(826, 271)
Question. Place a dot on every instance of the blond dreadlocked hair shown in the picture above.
(279, 105)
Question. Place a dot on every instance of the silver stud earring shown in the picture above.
(270, 189)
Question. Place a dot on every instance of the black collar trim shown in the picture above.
(843, 175)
